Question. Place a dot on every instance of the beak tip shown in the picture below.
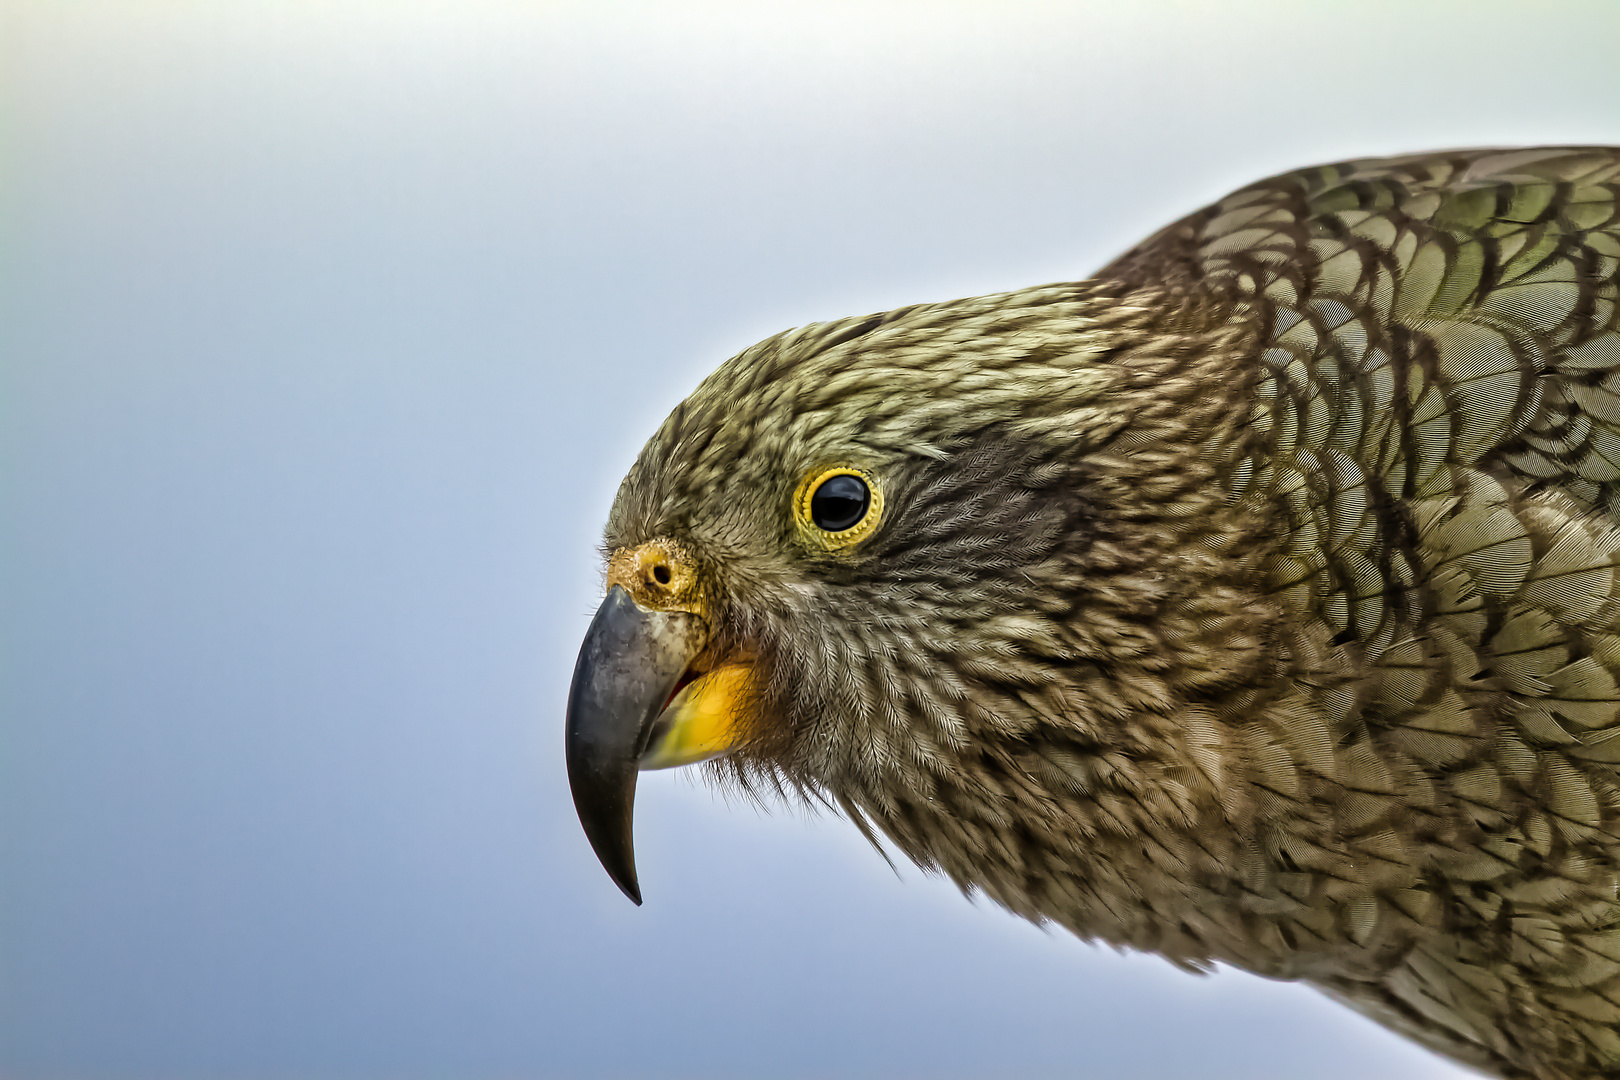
(620, 865)
(613, 847)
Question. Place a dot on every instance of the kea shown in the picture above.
(1255, 601)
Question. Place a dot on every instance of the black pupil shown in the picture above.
(839, 503)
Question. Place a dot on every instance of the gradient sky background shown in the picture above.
(327, 330)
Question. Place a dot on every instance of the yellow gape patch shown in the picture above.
(700, 722)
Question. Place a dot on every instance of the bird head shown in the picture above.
(884, 559)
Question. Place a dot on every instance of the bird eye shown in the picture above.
(839, 502)
(838, 506)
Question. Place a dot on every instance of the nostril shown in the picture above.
(661, 574)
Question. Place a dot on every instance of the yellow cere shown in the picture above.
(701, 722)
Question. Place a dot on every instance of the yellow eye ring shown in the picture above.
(838, 506)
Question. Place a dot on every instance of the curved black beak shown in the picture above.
(628, 666)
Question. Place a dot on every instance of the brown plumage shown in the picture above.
(1253, 601)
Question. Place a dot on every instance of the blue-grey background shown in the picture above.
(326, 331)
